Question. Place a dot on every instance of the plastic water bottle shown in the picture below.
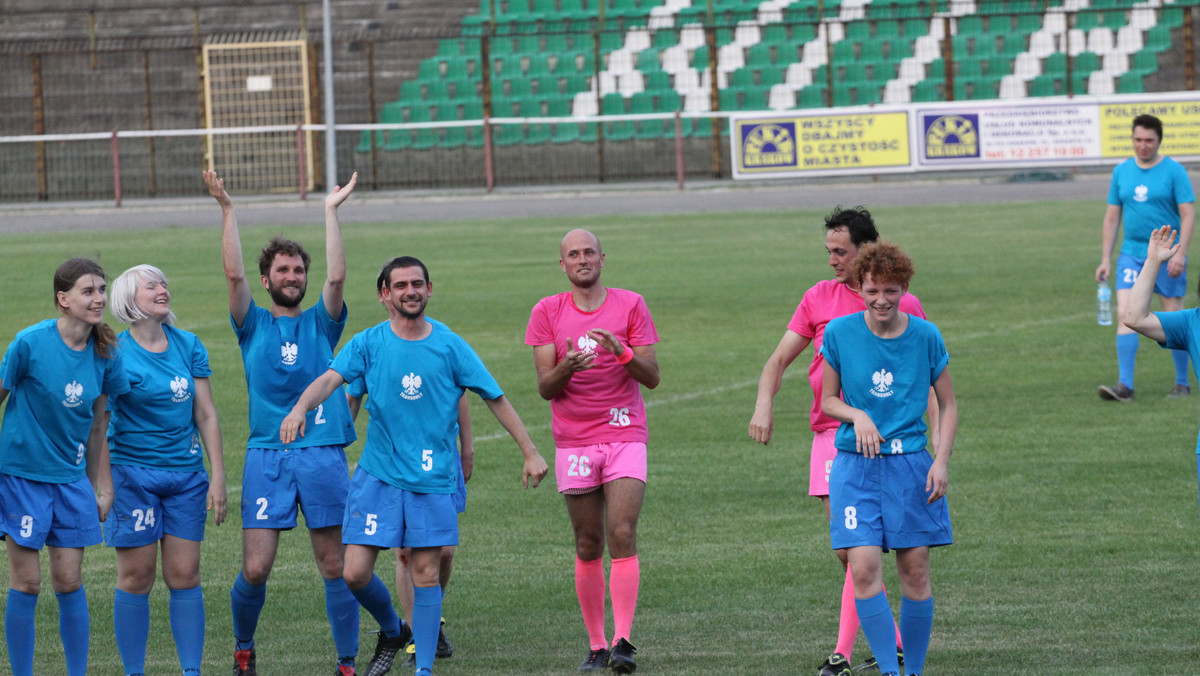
(1104, 305)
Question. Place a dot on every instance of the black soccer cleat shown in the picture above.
(620, 658)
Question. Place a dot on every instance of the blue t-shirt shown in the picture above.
(153, 425)
(1149, 199)
(282, 356)
(1183, 333)
(52, 390)
(415, 386)
(888, 378)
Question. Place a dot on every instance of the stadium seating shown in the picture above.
(561, 59)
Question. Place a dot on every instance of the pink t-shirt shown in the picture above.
(602, 404)
(825, 301)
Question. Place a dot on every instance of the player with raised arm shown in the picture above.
(1147, 190)
(886, 491)
(593, 348)
(55, 481)
(845, 231)
(402, 494)
(283, 349)
(161, 489)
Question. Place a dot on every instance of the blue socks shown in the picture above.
(875, 618)
(427, 619)
(131, 625)
(1180, 357)
(247, 602)
(1127, 347)
(75, 628)
(916, 625)
(376, 599)
(342, 609)
(187, 626)
(19, 631)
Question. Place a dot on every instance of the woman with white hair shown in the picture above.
(161, 489)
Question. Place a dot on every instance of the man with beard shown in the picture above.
(402, 494)
(283, 349)
(593, 347)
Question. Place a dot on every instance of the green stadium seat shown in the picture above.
(1130, 83)
(812, 96)
(1045, 85)
(565, 132)
(926, 91)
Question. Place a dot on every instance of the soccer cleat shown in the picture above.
(444, 649)
(834, 665)
(411, 651)
(1179, 392)
(620, 658)
(595, 661)
(243, 663)
(872, 665)
(344, 670)
(386, 650)
(1118, 392)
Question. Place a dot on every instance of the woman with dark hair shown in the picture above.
(161, 489)
(55, 483)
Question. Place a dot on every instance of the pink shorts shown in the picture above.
(823, 453)
(583, 469)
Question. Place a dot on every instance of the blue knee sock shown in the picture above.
(427, 618)
(916, 625)
(1127, 347)
(187, 626)
(75, 628)
(376, 599)
(342, 609)
(19, 632)
(247, 601)
(875, 617)
(1180, 357)
(131, 625)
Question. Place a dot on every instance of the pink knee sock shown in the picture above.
(625, 578)
(589, 587)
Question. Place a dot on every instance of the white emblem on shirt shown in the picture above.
(179, 390)
(195, 444)
(586, 344)
(288, 352)
(74, 392)
(412, 387)
(883, 384)
(1141, 193)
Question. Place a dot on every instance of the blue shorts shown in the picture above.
(384, 516)
(35, 513)
(149, 503)
(881, 502)
(1165, 285)
(275, 481)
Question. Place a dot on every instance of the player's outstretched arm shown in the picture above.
(553, 375)
(334, 291)
(866, 436)
(1137, 315)
(762, 423)
(466, 442)
(231, 250)
(938, 478)
(535, 468)
(98, 470)
(316, 392)
(204, 413)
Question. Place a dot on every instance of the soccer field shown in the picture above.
(1075, 519)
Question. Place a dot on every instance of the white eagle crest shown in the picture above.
(882, 380)
(73, 391)
(1141, 193)
(586, 344)
(288, 352)
(179, 387)
(411, 383)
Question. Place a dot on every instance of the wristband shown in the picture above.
(626, 356)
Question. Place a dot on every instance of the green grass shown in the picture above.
(1075, 520)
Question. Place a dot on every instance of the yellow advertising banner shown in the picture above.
(1181, 126)
(822, 143)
